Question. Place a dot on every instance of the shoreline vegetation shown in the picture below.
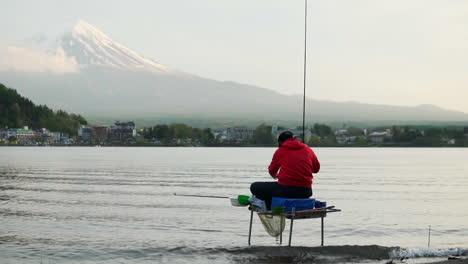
(22, 123)
(216, 146)
(124, 134)
(221, 145)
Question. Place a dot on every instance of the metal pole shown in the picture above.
(281, 233)
(291, 227)
(322, 231)
(429, 238)
(250, 227)
(305, 70)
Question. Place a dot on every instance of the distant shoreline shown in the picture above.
(234, 146)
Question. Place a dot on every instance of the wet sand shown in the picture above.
(452, 261)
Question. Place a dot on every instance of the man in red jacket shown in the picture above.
(292, 165)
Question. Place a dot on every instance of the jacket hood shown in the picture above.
(292, 144)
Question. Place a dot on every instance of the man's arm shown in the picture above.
(315, 165)
(274, 165)
(315, 162)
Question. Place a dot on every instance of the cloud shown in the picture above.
(25, 59)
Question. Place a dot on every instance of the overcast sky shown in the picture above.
(400, 52)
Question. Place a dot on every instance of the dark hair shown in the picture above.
(285, 136)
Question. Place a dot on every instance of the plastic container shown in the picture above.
(290, 203)
(234, 201)
(320, 204)
(243, 199)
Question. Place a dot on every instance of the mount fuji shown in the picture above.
(85, 71)
(91, 47)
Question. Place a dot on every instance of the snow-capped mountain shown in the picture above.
(85, 71)
(92, 47)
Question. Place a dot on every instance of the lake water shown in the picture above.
(117, 205)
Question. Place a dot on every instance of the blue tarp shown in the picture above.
(290, 203)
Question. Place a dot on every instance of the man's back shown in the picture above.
(296, 162)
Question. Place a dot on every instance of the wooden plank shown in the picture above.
(312, 213)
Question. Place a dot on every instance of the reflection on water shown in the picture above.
(100, 204)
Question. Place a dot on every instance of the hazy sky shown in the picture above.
(401, 52)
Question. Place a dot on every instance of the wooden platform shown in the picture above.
(298, 215)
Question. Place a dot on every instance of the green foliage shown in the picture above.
(206, 137)
(322, 135)
(428, 136)
(433, 132)
(17, 111)
(405, 135)
(360, 140)
(354, 131)
(180, 131)
(162, 133)
(167, 134)
(262, 135)
(428, 142)
(314, 141)
(322, 130)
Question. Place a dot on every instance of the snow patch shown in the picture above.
(100, 49)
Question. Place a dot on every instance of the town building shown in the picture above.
(379, 137)
(85, 133)
(238, 134)
(27, 136)
(99, 133)
(341, 136)
(220, 134)
(450, 141)
(122, 131)
(10, 133)
(49, 137)
(3, 133)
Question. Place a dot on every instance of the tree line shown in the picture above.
(410, 136)
(319, 135)
(429, 136)
(17, 111)
(167, 134)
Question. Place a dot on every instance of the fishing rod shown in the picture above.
(305, 70)
(201, 196)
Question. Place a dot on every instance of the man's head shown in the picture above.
(284, 136)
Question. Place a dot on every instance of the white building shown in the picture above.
(378, 137)
(341, 136)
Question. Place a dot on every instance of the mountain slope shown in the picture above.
(115, 80)
(17, 111)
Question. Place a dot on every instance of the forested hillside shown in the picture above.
(17, 111)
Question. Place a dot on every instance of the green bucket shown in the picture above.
(278, 209)
(243, 199)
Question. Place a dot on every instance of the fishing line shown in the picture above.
(305, 69)
(201, 196)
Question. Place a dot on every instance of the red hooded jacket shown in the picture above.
(296, 162)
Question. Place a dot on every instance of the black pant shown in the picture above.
(266, 190)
